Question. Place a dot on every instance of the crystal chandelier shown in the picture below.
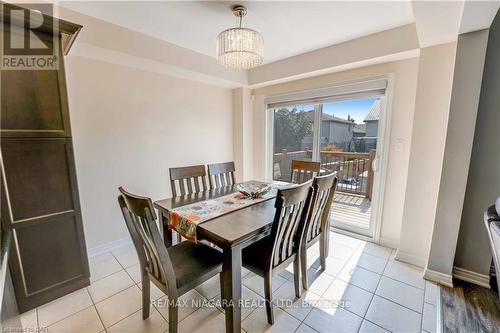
(240, 48)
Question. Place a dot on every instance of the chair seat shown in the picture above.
(194, 263)
(253, 256)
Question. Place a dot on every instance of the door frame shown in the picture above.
(382, 153)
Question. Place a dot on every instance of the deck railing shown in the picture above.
(354, 171)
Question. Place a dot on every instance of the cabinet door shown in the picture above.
(40, 203)
(34, 103)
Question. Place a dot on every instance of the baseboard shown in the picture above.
(438, 277)
(107, 247)
(410, 259)
(388, 242)
(472, 277)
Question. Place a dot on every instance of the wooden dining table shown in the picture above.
(231, 232)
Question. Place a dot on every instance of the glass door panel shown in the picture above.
(348, 143)
(294, 138)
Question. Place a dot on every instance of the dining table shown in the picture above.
(231, 232)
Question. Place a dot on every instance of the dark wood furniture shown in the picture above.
(39, 191)
(274, 253)
(190, 179)
(221, 174)
(303, 171)
(317, 226)
(231, 232)
(174, 270)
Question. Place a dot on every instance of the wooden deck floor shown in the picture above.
(351, 209)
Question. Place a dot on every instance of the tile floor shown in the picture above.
(362, 290)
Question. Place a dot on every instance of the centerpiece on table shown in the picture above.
(254, 190)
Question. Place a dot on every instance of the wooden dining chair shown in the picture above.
(303, 171)
(190, 179)
(174, 270)
(221, 174)
(274, 253)
(316, 227)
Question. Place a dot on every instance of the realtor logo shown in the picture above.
(30, 39)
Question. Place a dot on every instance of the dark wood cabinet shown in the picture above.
(39, 191)
(35, 104)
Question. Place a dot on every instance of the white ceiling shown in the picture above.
(289, 28)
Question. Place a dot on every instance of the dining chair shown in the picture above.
(190, 179)
(174, 270)
(316, 227)
(221, 174)
(275, 252)
(303, 171)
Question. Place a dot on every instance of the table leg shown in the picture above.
(231, 274)
(167, 233)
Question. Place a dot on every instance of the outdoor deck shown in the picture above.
(351, 209)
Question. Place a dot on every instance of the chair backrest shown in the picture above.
(303, 171)
(292, 206)
(140, 219)
(323, 192)
(191, 179)
(221, 174)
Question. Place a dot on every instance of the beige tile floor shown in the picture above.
(363, 289)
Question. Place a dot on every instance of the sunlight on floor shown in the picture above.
(362, 289)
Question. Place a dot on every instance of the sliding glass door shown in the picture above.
(343, 136)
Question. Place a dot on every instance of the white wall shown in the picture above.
(473, 252)
(103, 40)
(137, 108)
(129, 126)
(405, 72)
(243, 133)
(381, 47)
(471, 50)
(432, 105)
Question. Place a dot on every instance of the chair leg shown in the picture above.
(303, 266)
(145, 296)
(323, 248)
(268, 297)
(173, 315)
(296, 276)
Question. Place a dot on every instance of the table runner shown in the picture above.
(185, 219)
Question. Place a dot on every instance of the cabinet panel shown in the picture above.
(59, 241)
(31, 107)
(39, 175)
(34, 103)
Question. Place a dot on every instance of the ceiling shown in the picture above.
(289, 28)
